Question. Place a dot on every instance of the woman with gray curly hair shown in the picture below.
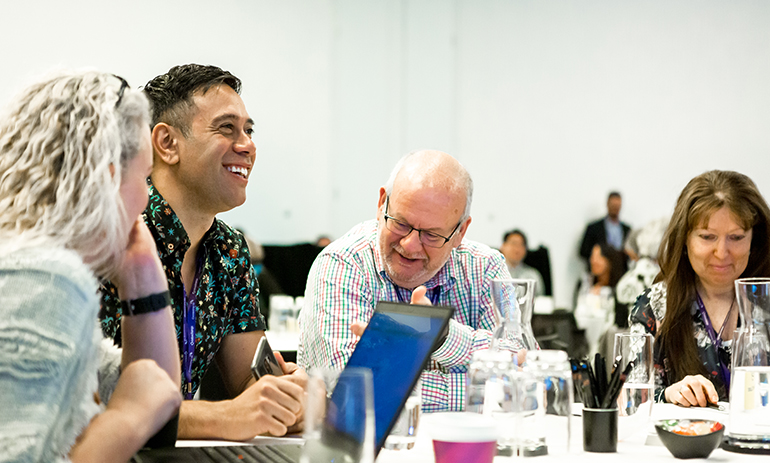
(74, 156)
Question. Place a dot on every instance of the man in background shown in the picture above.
(203, 156)
(413, 251)
(514, 249)
(609, 230)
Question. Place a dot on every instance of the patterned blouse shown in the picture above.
(228, 294)
(651, 308)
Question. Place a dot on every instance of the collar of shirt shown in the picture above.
(162, 219)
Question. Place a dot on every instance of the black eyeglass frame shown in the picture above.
(419, 231)
(123, 86)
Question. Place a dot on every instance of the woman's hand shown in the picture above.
(141, 272)
(692, 391)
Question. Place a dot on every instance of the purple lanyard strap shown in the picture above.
(188, 332)
(716, 339)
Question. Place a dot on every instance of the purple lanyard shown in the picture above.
(433, 297)
(188, 332)
(716, 339)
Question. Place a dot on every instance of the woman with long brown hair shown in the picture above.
(718, 233)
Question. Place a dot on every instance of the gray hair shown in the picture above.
(63, 147)
(460, 180)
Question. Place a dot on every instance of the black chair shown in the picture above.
(538, 259)
(558, 330)
(290, 265)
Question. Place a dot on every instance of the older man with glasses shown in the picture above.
(415, 252)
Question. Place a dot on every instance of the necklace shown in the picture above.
(715, 337)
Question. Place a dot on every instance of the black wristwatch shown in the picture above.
(147, 304)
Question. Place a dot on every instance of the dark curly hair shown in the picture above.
(171, 94)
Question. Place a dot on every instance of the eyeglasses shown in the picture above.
(123, 86)
(427, 238)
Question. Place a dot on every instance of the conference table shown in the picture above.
(639, 445)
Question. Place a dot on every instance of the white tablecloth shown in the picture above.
(640, 446)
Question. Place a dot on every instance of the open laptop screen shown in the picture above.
(395, 346)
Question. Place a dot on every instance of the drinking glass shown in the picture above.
(404, 432)
(636, 397)
(545, 401)
(339, 416)
(493, 391)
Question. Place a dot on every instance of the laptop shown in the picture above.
(395, 346)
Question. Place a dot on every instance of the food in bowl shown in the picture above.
(692, 428)
(690, 438)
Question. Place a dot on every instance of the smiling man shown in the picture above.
(414, 251)
(203, 155)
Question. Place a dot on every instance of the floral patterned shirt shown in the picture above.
(228, 294)
(650, 308)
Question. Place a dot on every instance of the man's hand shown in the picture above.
(418, 297)
(270, 406)
(521, 357)
(692, 391)
(299, 377)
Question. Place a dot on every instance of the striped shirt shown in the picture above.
(348, 279)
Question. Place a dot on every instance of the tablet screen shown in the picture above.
(395, 346)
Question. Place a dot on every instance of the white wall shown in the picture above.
(550, 104)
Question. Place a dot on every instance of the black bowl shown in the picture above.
(684, 446)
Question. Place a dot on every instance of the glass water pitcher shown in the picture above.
(749, 427)
(514, 301)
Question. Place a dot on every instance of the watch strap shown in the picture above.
(147, 304)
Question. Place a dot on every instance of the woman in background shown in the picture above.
(596, 309)
(718, 233)
(74, 155)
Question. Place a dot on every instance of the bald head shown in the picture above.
(431, 169)
(423, 214)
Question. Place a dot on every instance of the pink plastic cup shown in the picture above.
(462, 437)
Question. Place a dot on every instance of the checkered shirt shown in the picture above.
(348, 279)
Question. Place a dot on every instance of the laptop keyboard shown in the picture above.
(280, 453)
(254, 453)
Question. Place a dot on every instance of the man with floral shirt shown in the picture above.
(203, 155)
(413, 252)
